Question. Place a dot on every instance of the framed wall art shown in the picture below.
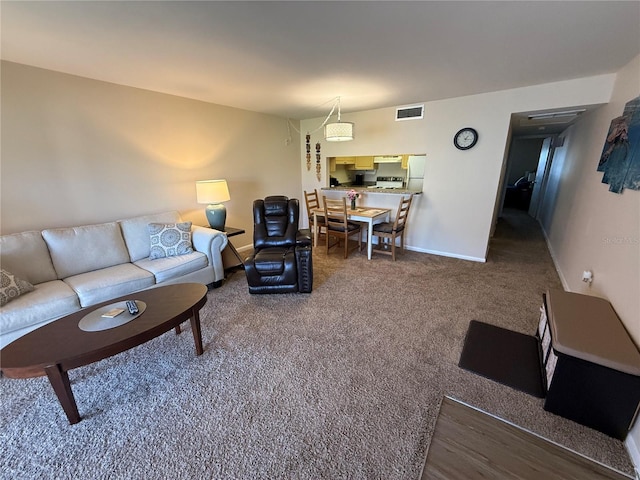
(620, 159)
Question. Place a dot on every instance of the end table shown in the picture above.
(232, 231)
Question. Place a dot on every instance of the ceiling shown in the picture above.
(292, 59)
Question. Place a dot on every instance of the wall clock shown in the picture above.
(465, 138)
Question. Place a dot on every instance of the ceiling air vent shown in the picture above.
(412, 112)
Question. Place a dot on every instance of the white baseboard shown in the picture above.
(565, 285)
(446, 254)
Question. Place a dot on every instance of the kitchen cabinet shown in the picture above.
(332, 164)
(345, 160)
(362, 163)
(590, 364)
(405, 162)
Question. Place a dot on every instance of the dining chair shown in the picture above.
(388, 232)
(337, 224)
(312, 201)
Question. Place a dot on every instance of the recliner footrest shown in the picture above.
(270, 261)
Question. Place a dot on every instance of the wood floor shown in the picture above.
(470, 444)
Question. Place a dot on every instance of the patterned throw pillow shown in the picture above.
(11, 287)
(169, 239)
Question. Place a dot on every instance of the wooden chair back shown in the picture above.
(388, 232)
(336, 223)
(403, 213)
(335, 214)
(312, 201)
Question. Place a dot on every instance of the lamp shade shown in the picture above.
(212, 191)
(338, 131)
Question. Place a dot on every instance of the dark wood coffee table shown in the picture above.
(57, 347)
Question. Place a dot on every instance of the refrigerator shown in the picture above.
(415, 172)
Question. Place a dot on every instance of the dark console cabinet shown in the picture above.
(591, 364)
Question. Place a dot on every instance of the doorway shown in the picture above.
(522, 170)
(533, 137)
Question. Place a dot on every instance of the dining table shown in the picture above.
(368, 215)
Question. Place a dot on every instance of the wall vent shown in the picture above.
(412, 112)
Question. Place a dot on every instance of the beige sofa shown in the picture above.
(72, 268)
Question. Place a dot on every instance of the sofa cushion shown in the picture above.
(11, 287)
(136, 234)
(169, 239)
(172, 267)
(49, 300)
(78, 250)
(27, 256)
(100, 285)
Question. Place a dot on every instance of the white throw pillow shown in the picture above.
(169, 239)
(11, 287)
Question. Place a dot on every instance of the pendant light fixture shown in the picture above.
(338, 131)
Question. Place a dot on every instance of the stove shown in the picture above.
(389, 182)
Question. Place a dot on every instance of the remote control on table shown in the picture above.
(132, 306)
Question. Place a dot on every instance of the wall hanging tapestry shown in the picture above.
(620, 159)
(318, 168)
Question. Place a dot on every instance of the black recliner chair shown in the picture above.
(282, 260)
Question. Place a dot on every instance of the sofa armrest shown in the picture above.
(304, 261)
(210, 242)
(303, 238)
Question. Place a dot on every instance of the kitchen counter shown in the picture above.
(396, 191)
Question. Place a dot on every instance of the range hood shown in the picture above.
(388, 159)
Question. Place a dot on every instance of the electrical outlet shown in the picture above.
(287, 141)
(587, 276)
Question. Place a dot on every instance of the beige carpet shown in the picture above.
(341, 383)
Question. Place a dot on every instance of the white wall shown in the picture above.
(590, 228)
(77, 151)
(454, 215)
